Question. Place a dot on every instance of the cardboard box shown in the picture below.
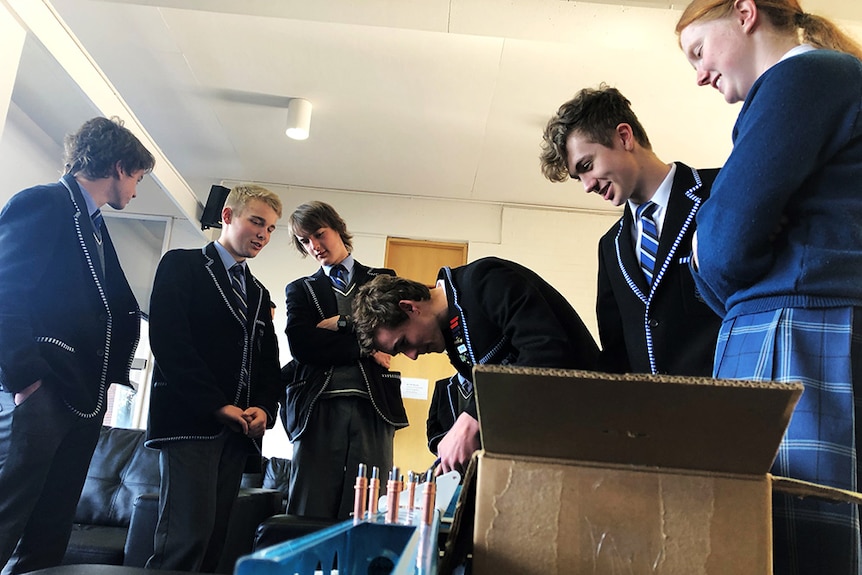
(593, 473)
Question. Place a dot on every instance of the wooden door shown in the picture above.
(420, 261)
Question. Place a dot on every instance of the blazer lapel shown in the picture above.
(679, 218)
(222, 279)
(628, 259)
(254, 295)
(213, 261)
(323, 291)
(84, 226)
(685, 197)
(452, 394)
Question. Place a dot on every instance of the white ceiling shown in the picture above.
(438, 98)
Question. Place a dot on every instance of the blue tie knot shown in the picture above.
(646, 210)
(338, 275)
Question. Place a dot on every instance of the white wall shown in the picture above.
(12, 37)
(139, 246)
(27, 155)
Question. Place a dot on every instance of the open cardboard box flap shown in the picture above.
(586, 472)
(713, 425)
(801, 489)
(722, 426)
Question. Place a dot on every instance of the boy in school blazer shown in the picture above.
(654, 321)
(342, 406)
(488, 312)
(69, 326)
(216, 381)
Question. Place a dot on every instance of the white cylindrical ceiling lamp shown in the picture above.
(298, 118)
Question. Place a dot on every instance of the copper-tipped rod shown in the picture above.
(373, 492)
(360, 498)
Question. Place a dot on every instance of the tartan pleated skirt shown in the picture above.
(822, 348)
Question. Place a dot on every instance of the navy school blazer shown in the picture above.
(64, 319)
(206, 356)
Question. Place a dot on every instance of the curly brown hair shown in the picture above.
(594, 113)
(376, 305)
(99, 145)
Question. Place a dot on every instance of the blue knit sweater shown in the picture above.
(783, 225)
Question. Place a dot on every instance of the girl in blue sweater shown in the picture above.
(779, 246)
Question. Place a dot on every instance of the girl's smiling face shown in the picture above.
(720, 52)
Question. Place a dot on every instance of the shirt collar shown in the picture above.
(661, 197)
(346, 262)
(465, 384)
(88, 199)
(227, 259)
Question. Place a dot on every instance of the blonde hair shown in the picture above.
(241, 195)
(785, 15)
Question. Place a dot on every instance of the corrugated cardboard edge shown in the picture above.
(674, 379)
(615, 466)
(802, 489)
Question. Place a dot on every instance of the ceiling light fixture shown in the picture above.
(298, 118)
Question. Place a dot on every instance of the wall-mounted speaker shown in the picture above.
(211, 217)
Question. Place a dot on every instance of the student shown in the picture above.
(216, 379)
(491, 311)
(651, 317)
(343, 406)
(69, 325)
(778, 249)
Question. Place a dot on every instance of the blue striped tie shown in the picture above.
(649, 240)
(98, 219)
(237, 272)
(337, 275)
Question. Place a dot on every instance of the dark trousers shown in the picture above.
(342, 433)
(45, 451)
(199, 481)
